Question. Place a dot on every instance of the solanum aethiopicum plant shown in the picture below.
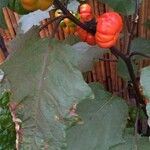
(109, 25)
(108, 28)
(32, 5)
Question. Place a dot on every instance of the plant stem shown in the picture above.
(139, 97)
(59, 5)
(127, 60)
(51, 21)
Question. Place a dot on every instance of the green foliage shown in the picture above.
(88, 54)
(140, 45)
(71, 40)
(123, 70)
(44, 77)
(3, 3)
(132, 142)
(16, 6)
(145, 82)
(132, 117)
(103, 122)
(7, 127)
(125, 7)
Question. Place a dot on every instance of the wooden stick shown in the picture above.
(42, 32)
(17, 17)
(2, 56)
(43, 22)
(61, 34)
(8, 36)
(94, 74)
(103, 73)
(96, 68)
(53, 24)
(89, 77)
(113, 73)
(50, 29)
(12, 18)
(8, 22)
(96, 8)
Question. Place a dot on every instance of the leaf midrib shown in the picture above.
(40, 87)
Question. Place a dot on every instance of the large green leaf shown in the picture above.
(145, 81)
(125, 7)
(140, 45)
(3, 3)
(132, 142)
(104, 120)
(44, 77)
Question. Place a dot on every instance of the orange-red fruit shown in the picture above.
(109, 25)
(85, 36)
(85, 12)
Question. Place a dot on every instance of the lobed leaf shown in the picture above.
(44, 79)
(103, 122)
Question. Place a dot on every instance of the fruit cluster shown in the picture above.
(108, 27)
